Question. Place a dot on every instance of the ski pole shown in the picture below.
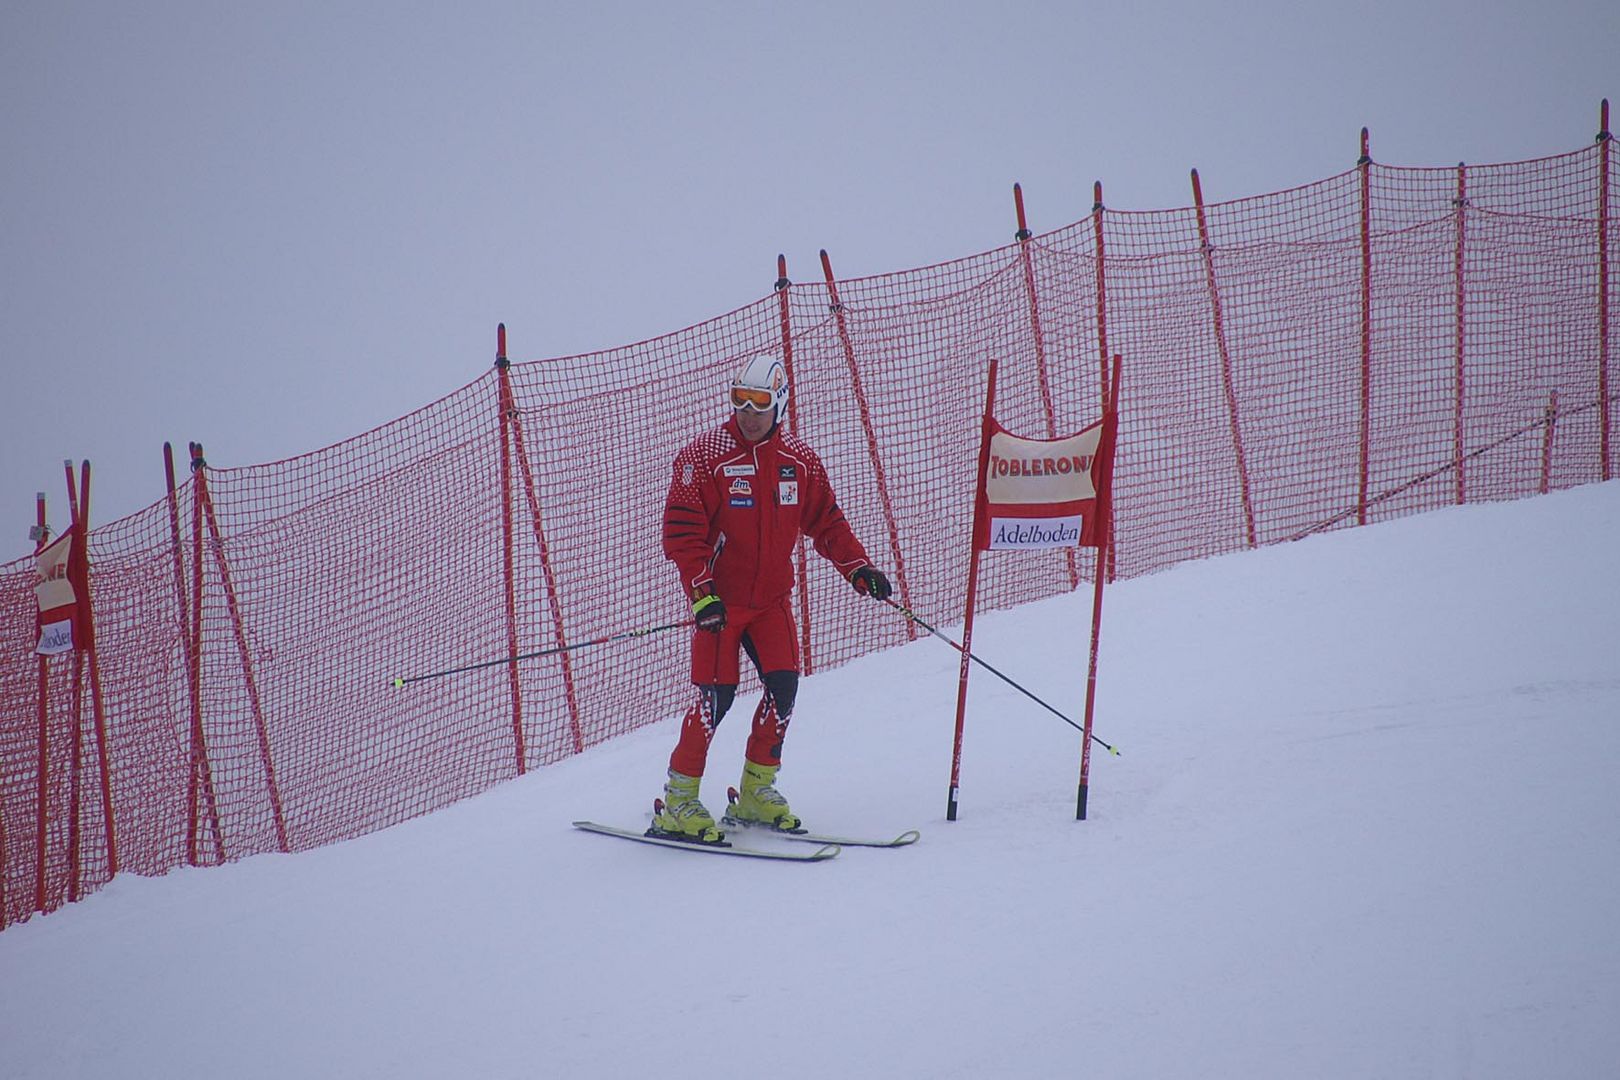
(622, 635)
(908, 613)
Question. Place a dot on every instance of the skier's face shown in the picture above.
(754, 425)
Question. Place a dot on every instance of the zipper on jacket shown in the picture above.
(759, 503)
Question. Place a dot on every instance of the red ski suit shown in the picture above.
(732, 519)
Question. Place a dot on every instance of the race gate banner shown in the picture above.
(60, 586)
(1045, 493)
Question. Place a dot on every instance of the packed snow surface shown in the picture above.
(1363, 824)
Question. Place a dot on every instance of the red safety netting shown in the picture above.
(1382, 342)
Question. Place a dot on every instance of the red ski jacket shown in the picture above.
(735, 511)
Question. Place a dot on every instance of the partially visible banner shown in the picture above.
(1046, 493)
(62, 570)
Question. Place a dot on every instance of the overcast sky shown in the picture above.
(269, 227)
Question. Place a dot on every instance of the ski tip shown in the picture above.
(825, 851)
(910, 836)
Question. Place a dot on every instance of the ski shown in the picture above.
(825, 851)
(910, 836)
(730, 820)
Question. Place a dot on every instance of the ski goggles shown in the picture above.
(743, 397)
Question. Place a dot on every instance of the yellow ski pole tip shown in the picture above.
(399, 683)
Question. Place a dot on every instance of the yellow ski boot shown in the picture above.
(759, 803)
(681, 815)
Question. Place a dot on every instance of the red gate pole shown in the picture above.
(76, 710)
(1547, 442)
(103, 753)
(1225, 356)
(859, 390)
(1102, 343)
(1461, 203)
(554, 601)
(1605, 140)
(1023, 236)
(42, 779)
(552, 597)
(186, 643)
(75, 765)
(1364, 165)
(972, 591)
(199, 756)
(202, 775)
(185, 616)
(261, 732)
(782, 287)
(1110, 416)
(43, 774)
(1102, 292)
(75, 780)
(507, 413)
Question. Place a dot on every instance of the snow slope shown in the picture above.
(1363, 824)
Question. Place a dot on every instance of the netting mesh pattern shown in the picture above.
(1382, 342)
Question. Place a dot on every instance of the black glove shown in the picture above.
(869, 581)
(709, 611)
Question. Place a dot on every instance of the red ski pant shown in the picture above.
(771, 640)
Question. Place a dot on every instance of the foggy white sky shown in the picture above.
(268, 227)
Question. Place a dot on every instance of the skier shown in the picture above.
(741, 496)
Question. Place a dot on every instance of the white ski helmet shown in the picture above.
(760, 385)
